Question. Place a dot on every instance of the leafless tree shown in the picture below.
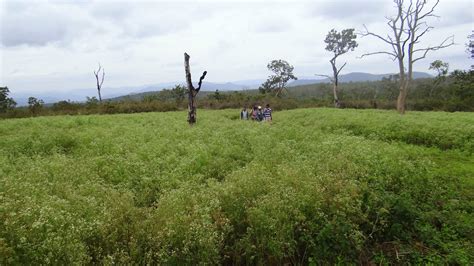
(407, 28)
(99, 84)
(192, 92)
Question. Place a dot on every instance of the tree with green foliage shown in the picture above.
(35, 105)
(6, 103)
(283, 72)
(463, 86)
(406, 29)
(441, 68)
(339, 43)
(179, 93)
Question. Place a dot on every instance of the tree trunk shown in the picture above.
(401, 100)
(192, 92)
(336, 99)
(100, 96)
(335, 81)
(191, 108)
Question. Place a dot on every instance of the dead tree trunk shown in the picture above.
(192, 92)
(407, 27)
(99, 84)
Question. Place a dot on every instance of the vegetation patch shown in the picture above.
(315, 186)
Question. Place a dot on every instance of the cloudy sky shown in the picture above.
(55, 45)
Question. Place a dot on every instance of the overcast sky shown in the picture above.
(55, 45)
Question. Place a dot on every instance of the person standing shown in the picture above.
(244, 115)
(253, 115)
(267, 113)
(259, 114)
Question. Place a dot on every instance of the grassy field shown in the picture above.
(316, 185)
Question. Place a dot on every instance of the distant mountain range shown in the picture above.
(79, 95)
(353, 77)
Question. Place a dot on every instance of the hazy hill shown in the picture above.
(137, 92)
(353, 77)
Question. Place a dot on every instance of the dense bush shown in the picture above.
(317, 186)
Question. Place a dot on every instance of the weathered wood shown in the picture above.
(192, 92)
(99, 84)
(407, 27)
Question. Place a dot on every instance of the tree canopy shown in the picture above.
(283, 72)
(6, 103)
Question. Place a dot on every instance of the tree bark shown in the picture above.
(99, 84)
(192, 92)
(401, 100)
(335, 82)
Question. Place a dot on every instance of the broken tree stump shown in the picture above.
(192, 92)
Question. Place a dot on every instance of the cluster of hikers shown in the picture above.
(257, 114)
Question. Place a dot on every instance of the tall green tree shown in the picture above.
(339, 43)
(6, 103)
(283, 72)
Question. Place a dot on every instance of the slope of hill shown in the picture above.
(354, 77)
(137, 92)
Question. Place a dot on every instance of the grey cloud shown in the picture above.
(272, 26)
(37, 25)
(456, 12)
(111, 10)
(146, 19)
(361, 11)
(40, 23)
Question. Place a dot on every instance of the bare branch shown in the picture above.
(421, 34)
(341, 68)
(382, 52)
(326, 76)
(367, 33)
(434, 48)
(200, 81)
(429, 13)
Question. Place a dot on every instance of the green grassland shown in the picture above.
(315, 186)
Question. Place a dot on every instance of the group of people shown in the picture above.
(257, 114)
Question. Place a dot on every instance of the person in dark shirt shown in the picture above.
(260, 116)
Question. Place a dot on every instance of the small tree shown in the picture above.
(35, 105)
(441, 69)
(178, 93)
(192, 92)
(338, 44)
(99, 83)
(6, 103)
(91, 102)
(277, 82)
(463, 86)
(407, 28)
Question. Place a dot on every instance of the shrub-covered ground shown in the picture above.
(315, 186)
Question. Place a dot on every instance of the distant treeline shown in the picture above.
(452, 93)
